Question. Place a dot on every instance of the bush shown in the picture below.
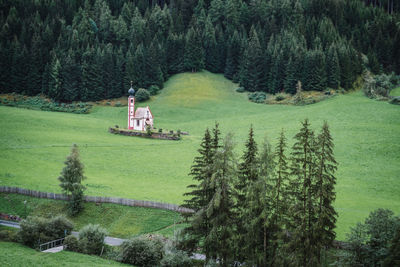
(240, 89)
(160, 130)
(154, 89)
(379, 85)
(71, 243)
(279, 97)
(174, 257)
(8, 235)
(142, 95)
(369, 242)
(257, 97)
(36, 230)
(91, 239)
(395, 100)
(141, 251)
(118, 104)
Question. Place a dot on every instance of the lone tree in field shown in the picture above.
(71, 178)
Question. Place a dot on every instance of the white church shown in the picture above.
(140, 119)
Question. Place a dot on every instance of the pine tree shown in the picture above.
(332, 68)
(303, 209)
(248, 173)
(55, 80)
(71, 181)
(252, 65)
(314, 71)
(219, 209)
(233, 57)
(202, 192)
(176, 49)
(71, 77)
(326, 166)
(393, 258)
(194, 52)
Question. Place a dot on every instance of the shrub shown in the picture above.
(369, 242)
(71, 243)
(118, 104)
(142, 95)
(141, 251)
(174, 257)
(257, 97)
(8, 235)
(240, 89)
(160, 130)
(395, 100)
(379, 85)
(148, 131)
(91, 239)
(108, 103)
(154, 89)
(279, 97)
(35, 230)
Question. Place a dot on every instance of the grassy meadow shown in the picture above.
(395, 92)
(13, 254)
(120, 221)
(34, 144)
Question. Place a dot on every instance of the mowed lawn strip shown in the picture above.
(366, 134)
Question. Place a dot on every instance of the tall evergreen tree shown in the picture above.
(219, 210)
(332, 68)
(252, 65)
(326, 166)
(303, 212)
(233, 57)
(194, 52)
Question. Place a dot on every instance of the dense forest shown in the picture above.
(91, 50)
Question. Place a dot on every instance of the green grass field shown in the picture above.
(13, 254)
(395, 92)
(120, 221)
(366, 133)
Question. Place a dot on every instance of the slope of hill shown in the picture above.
(12, 254)
(34, 144)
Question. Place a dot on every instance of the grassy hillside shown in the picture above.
(34, 144)
(395, 92)
(120, 221)
(13, 254)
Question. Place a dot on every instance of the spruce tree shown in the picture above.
(252, 65)
(303, 245)
(194, 52)
(248, 172)
(219, 209)
(332, 68)
(326, 166)
(202, 192)
(233, 57)
(71, 181)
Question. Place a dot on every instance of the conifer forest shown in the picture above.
(91, 50)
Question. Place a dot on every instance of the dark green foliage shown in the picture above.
(142, 95)
(71, 181)
(36, 230)
(71, 243)
(194, 52)
(91, 239)
(114, 42)
(202, 192)
(393, 258)
(218, 210)
(303, 207)
(154, 89)
(257, 97)
(141, 251)
(369, 242)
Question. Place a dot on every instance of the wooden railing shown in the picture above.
(114, 200)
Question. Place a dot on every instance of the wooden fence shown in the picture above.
(114, 200)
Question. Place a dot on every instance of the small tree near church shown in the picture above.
(71, 178)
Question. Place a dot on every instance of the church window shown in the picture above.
(137, 122)
(132, 100)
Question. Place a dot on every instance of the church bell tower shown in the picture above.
(131, 107)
